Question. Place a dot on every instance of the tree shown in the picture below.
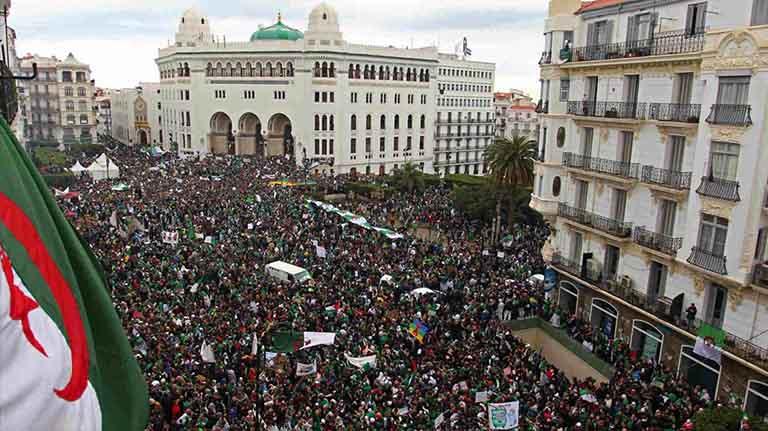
(511, 167)
(409, 178)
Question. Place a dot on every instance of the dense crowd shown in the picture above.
(210, 287)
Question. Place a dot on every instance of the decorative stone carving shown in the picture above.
(738, 50)
(735, 297)
(698, 286)
(665, 131)
(716, 207)
(726, 133)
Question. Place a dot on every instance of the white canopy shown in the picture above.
(103, 168)
(422, 291)
(77, 168)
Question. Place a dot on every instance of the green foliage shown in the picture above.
(408, 179)
(90, 150)
(478, 203)
(50, 157)
(43, 143)
(511, 161)
(367, 189)
(724, 419)
(465, 180)
(60, 181)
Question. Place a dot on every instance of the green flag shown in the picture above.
(286, 341)
(66, 361)
(718, 335)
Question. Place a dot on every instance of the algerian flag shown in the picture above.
(312, 339)
(362, 362)
(206, 352)
(65, 362)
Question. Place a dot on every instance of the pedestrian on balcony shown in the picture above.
(690, 314)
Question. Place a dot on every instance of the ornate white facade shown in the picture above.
(653, 173)
(346, 106)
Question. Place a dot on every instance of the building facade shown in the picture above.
(58, 103)
(136, 115)
(515, 115)
(103, 108)
(652, 172)
(340, 106)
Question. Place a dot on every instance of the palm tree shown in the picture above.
(511, 166)
(409, 178)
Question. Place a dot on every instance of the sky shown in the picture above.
(120, 38)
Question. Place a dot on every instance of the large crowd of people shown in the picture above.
(205, 284)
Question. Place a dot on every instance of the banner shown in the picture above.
(306, 369)
(171, 238)
(503, 416)
(255, 345)
(321, 253)
(312, 339)
(206, 352)
(482, 396)
(362, 362)
(706, 349)
(440, 419)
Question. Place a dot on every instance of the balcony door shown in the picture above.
(676, 153)
(683, 90)
(619, 205)
(586, 145)
(611, 262)
(667, 216)
(640, 29)
(625, 148)
(591, 95)
(631, 90)
(716, 301)
(582, 190)
(713, 233)
(696, 19)
(732, 94)
(657, 281)
(576, 244)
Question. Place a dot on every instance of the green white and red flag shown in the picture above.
(65, 362)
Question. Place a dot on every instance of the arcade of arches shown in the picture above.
(251, 139)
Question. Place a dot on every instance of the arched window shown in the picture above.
(401, 76)
(186, 69)
(568, 300)
(647, 340)
(332, 70)
(604, 317)
(383, 122)
(365, 72)
(280, 72)
(248, 69)
(381, 73)
(259, 70)
(423, 121)
(410, 121)
(357, 71)
(330, 125)
(317, 69)
(317, 122)
(324, 70)
(269, 69)
(368, 122)
(353, 122)
(238, 69)
(560, 137)
(389, 74)
(209, 69)
(698, 370)
(325, 122)
(397, 121)
(290, 69)
(556, 186)
(351, 71)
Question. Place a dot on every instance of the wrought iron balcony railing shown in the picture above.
(667, 178)
(719, 188)
(622, 110)
(603, 166)
(546, 57)
(611, 226)
(657, 241)
(672, 42)
(570, 266)
(732, 115)
(680, 112)
(708, 260)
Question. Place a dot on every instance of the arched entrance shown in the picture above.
(143, 140)
(280, 139)
(220, 138)
(249, 139)
(604, 317)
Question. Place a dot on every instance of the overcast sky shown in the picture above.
(120, 38)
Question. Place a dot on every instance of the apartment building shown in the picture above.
(516, 115)
(103, 110)
(58, 103)
(137, 115)
(652, 173)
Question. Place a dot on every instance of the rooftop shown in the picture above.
(598, 4)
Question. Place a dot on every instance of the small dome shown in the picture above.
(192, 16)
(324, 19)
(277, 31)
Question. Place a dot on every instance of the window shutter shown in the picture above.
(591, 35)
(654, 21)
(608, 36)
(702, 18)
(689, 24)
(631, 28)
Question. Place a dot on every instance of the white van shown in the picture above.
(287, 272)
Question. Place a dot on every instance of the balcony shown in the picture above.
(730, 115)
(672, 42)
(707, 260)
(719, 188)
(760, 275)
(657, 241)
(570, 266)
(546, 57)
(610, 226)
(603, 166)
(680, 112)
(667, 178)
(618, 110)
(542, 107)
(446, 122)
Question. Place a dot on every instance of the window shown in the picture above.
(410, 121)
(331, 97)
(408, 143)
(317, 97)
(667, 217)
(382, 144)
(421, 143)
(599, 33)
(396, 144)
(80, 91)
(619, 204)
(353, 98)
(397, 122)
(647, 340)
(657, 281)
(565, 88)
(759, 12)
(696, 19)
(324, 97)
(353, 123)
(556, 185)
(713, 233)
(611, 261)
(383, 122)
(353, 146)
(733, 90)
(317, 146)
(560, 137)
(331, 127)
(330, 146)
(423, 121)
(324, 146)
(68, 91)
(698, 370)
(756, 399)
(715, 302)
(368, 145)
(724, 160)
(368, 122)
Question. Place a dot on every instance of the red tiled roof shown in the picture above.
(597, 4)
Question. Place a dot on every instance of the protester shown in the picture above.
(185, 244)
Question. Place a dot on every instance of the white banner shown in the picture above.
(503, 416)
(206, 351)
(306, 369)
(255, 345)
(361, 361)
(482, 396)
(312, 339)
(170, 237)
(707, 350)
(321, 253)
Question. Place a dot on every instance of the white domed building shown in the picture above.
(346, 107)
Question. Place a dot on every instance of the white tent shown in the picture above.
(77, 169)
(103, 168)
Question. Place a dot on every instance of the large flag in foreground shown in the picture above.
(65, 362)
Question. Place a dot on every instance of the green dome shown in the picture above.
(278, 31)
